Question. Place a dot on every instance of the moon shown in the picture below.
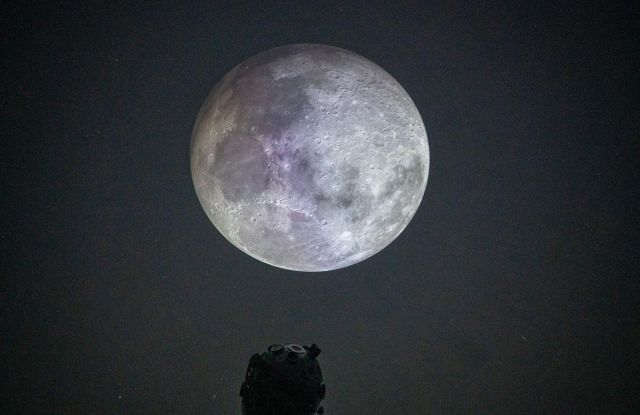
(309, 157)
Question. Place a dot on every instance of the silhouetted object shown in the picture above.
(284, 380)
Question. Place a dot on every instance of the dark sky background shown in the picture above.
(514, 289)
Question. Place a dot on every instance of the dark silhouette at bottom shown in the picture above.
(284, 380)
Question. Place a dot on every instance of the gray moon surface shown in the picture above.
(309, 157)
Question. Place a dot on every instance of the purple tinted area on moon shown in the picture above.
(243, 164)
(309, 157)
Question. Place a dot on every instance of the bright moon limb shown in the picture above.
(309, 157)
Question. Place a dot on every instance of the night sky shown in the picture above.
(514, 289)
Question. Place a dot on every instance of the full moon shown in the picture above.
(309, 157)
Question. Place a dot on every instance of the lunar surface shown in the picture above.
(309, 157)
